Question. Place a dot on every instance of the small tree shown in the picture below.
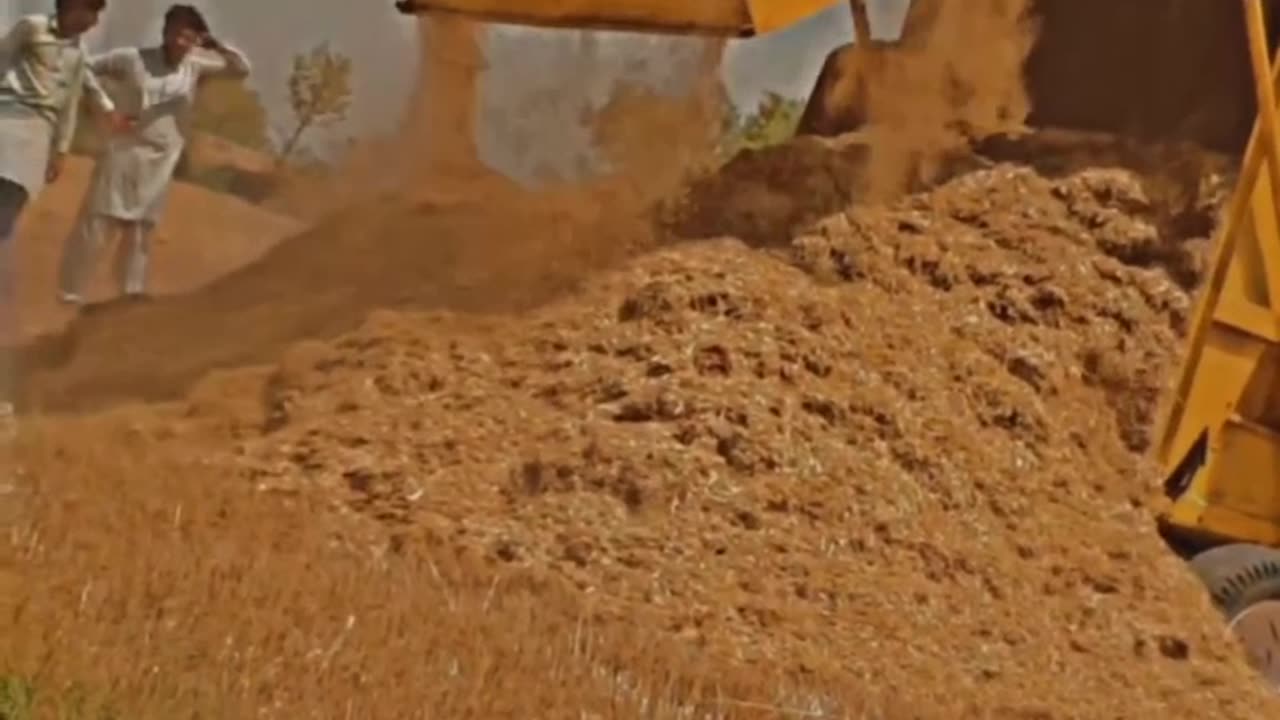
(773, 121)
(319, 94)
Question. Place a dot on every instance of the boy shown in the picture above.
(158, 86)
(43, 74)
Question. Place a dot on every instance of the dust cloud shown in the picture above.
(954, 75)
(604, 131)
(441, 124)
(544, 89)
(505, 107)
(419, 221)
(543, 93)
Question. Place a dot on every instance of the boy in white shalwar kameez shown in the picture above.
(131, 180)
(43, 74)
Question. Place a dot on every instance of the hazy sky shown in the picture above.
(788, 61)
(383, 45)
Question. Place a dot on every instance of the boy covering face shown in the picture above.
(157, 86)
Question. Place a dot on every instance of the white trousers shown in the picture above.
(13, 200)
(80, 253)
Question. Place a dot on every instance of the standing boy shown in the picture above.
(157, 85)
(43, 73)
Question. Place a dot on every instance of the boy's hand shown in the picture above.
(119, 123)
(54, 170)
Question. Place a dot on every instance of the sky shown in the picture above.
(788, 61)
(383, 46)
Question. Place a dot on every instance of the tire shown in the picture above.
(1238, 576)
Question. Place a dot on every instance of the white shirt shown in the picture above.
(161, 96)
(47, 73)
(132, 176)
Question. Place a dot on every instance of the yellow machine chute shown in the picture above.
(711, 17)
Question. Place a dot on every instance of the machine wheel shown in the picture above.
(1244, 581)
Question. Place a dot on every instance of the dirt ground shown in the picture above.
(203, 235)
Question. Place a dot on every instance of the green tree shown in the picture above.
(319, 94)
(773, 121)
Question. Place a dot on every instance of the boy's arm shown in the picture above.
(65, 130)
(113, 63)
(16, 39)
(220, 60)
(101, 100)
(116, 121)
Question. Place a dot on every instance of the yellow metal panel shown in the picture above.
(1243, 298)
(770, 15)
(1223, 523)
(1249, 198)
(1228, 379)
(715, 17)
(1244, 453)
(710, 17)
(1269, 130)
(1226, 364)
(1236, 495)
(1234, 292)
(1247, 317)
(1247, 276)
(1226, 351)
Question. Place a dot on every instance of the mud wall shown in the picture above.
(1150, 69)
(1146, 69)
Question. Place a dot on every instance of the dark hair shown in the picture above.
(185, 16)
(97, 5)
